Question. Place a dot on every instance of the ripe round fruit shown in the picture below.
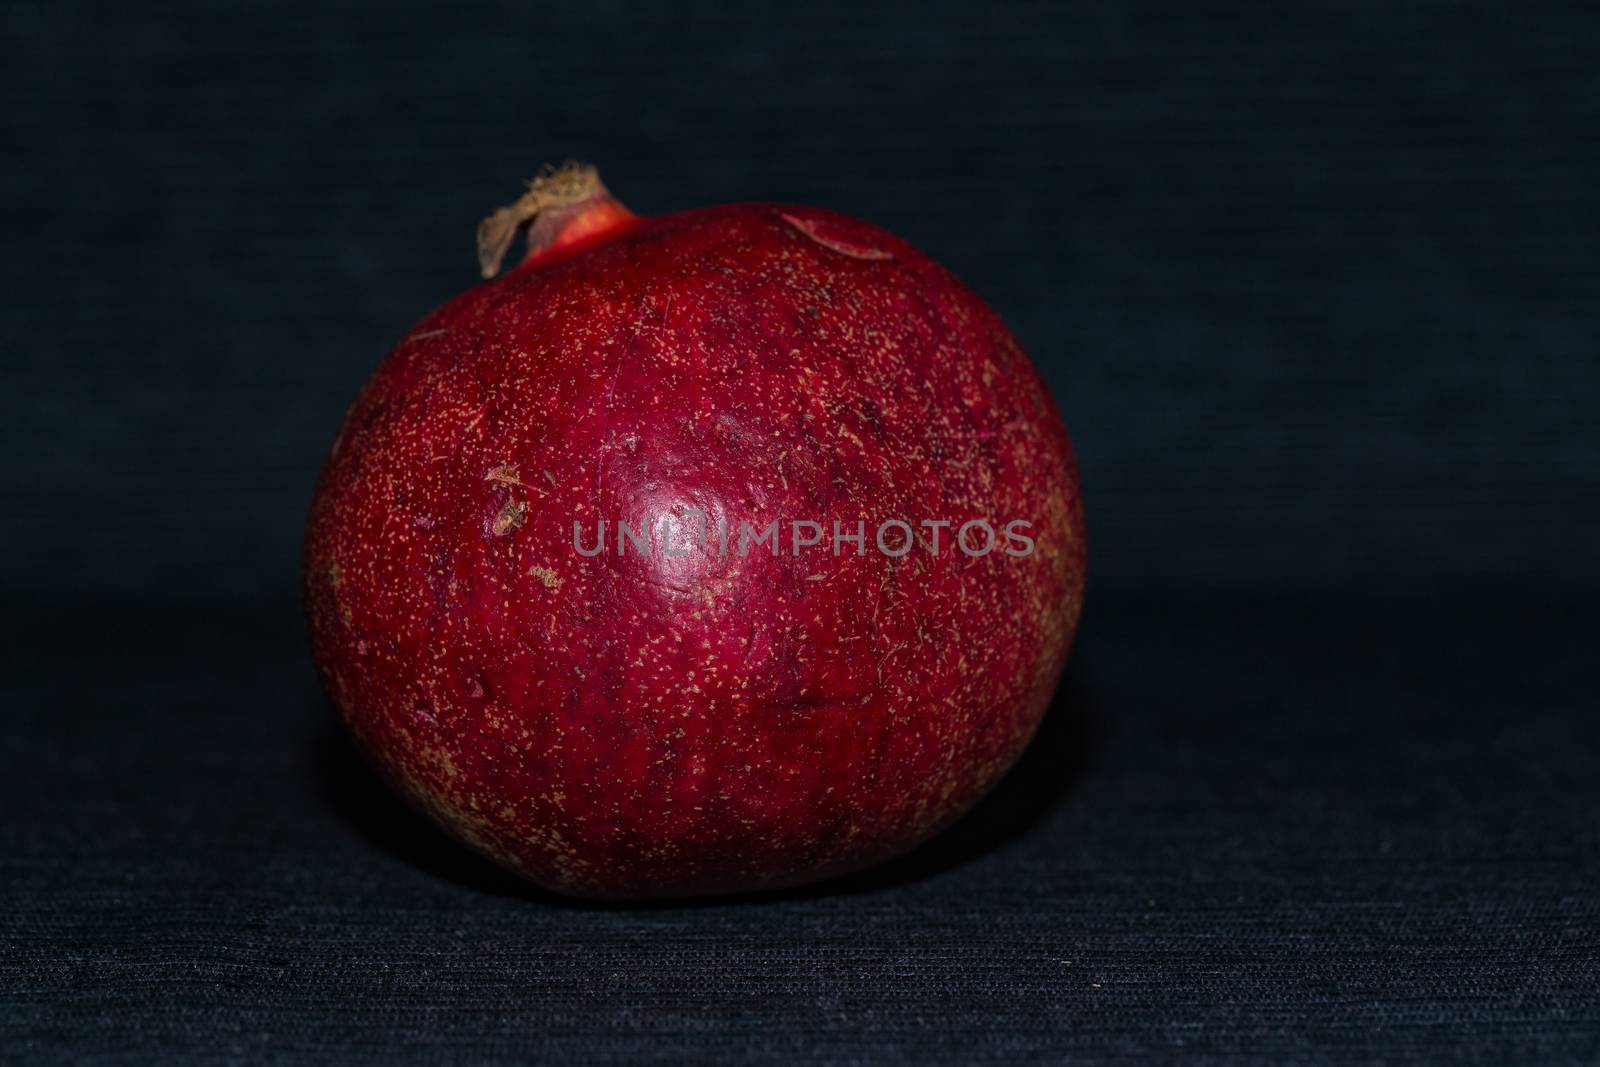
(683, 718)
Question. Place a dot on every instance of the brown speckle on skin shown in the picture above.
(504, 473)
(550, 579)
(513, 515)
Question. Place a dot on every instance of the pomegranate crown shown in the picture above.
(557, 199)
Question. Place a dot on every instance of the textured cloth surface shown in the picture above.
(1317, 287)
(1270, 828)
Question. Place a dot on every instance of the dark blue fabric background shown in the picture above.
(1317, 288)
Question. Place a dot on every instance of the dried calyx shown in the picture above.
(563, 205)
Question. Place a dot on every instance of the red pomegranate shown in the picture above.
(720, 551)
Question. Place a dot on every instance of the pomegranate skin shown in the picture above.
(647, 725)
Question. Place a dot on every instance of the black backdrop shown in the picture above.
(1317, 287)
